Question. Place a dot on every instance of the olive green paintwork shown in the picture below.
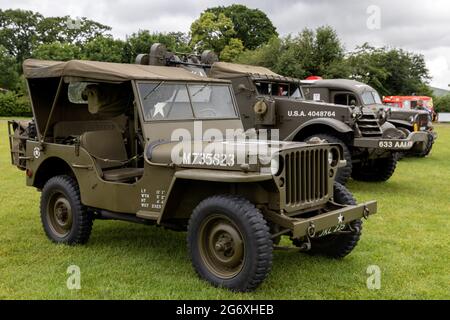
(168, 191)
(401, 118)
(297, 119)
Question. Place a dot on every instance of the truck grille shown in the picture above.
(306, 174)
(368, 125)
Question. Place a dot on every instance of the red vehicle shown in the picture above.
(411, 102)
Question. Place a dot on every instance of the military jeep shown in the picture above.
(348, 92)
(163, 146)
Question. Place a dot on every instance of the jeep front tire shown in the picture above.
(229, 243)
(64, 218)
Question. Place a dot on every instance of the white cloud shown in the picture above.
(413, 25)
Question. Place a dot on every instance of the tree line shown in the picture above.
(236, 33)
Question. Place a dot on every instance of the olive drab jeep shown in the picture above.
(346, 92)
(164, 146)
(270, 101)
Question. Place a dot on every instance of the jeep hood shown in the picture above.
(245, 155)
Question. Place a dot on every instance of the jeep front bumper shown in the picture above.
(415, 140)
(313, 226)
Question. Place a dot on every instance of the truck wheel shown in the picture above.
(344, 173)
(64, 218)
(339, 245)
(374, 170)
(428, 147)
(229, 243)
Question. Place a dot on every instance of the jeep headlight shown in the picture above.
(276, 165)
(333, 157)
(411, 119)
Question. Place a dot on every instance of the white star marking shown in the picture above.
(159, 108)
(340, 218)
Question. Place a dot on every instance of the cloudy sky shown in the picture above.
(417, 25)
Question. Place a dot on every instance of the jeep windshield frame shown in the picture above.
(188, 91)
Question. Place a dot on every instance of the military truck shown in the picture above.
(270, 101)
(163, 146)
(351, 92)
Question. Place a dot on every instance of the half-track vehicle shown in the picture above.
(351, 92)
(269, 101)
(152, 145)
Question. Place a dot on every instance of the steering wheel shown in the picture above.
(212, 112)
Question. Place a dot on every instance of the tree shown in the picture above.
(251, 26)
(211, 32)
(57, 51)
(311, 52)
(18, 32)
(232, 50)
(9, 77)
(390, 71)
(104, 49)
(66, 30)
(22, 31)
(442, 104)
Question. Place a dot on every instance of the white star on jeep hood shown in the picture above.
(159, 108)
(340, 218)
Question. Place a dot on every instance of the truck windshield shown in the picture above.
(371, 97)
(174, 101)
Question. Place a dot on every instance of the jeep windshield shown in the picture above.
(281, 89)
(371, 97)
(181, 101)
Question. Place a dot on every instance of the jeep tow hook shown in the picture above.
(366, 212)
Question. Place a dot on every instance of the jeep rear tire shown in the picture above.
(375, 170)
(63, 216)
(229, 243)
(339, 245)
(344, 173)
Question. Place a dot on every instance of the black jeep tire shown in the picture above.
(229, 243)
(428, 146)
(64, 218)
(344, 173)
(339, 245)
(375, 170)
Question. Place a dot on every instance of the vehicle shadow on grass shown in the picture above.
(149, 243)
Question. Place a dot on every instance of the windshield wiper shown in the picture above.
(153, 90)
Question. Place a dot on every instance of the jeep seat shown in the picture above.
(108, 149)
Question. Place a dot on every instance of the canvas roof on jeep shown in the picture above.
(226, 70)
(107, 71)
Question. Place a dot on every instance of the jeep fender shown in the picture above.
(334, 124)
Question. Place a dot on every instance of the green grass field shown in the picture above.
(408, 239)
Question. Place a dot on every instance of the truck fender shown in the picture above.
(334, 124)
(401, 123)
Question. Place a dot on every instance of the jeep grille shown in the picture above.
(306, 177)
